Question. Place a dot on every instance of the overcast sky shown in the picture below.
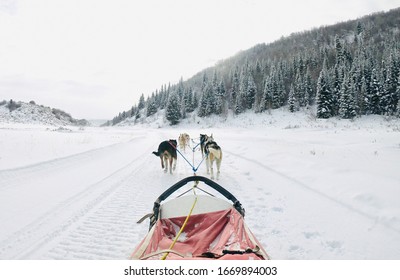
(94, 58)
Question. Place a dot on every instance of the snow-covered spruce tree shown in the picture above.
(266, 99)
(234, 89)
(220, 98)
(293, 106)
(299, 90)
(375, 94)
(202, 106)
(189, 100)
(276, 93)
(207, 104)
(347, 108)
(388, 102)
(251, 92)
(309, 89)
(238, 109)
(241, 100)
(173, 110)
(337, 82)
(324, 96)
(151, 107)
(362, 97)
(398, 98)
(141, 104)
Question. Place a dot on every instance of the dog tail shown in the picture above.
(156, 153)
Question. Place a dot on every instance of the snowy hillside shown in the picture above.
(31, 113)
(312, 188)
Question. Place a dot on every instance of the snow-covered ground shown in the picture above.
(312, 189)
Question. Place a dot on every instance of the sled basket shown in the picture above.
(193, 226)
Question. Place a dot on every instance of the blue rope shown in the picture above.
(191, 165)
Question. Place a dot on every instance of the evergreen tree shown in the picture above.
(309, 89)
(300, 91)
(202, 106)
(151, 107)
(398, 98)
(339, 51)
(241, 98)
(266, 100)
(220, 98)
(389, 99)
(207, 102)
(189, 102)
(324, 96)
(239, 108)
(338, 76)
(346, 104)
(141, 102)
(361, 100)
(133, 111)
(293, 105)
(373, 98)
(173, 109)
(251, 92)
(235, 88)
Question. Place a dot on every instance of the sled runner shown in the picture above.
(193, 226)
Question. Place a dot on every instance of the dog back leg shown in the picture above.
(162, 161)
(208, 164)
(171, 159)
(218, 161)
(165, 164)
(210, 168)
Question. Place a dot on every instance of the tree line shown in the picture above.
(345, 70)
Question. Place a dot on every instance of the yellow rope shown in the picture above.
(183, 225)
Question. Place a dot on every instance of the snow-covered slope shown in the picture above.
(31, 113)
(312, 189)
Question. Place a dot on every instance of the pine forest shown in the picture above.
(344, 70)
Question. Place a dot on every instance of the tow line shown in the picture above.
(194, 168)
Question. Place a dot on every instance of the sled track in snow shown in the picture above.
(10, 180)
(44, 237)
(316, 192)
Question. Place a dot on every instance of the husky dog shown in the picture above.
(203, 139)
(167, 153)
(184, 140)
(213, 153)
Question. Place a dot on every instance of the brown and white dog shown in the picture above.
(184, 140)
(213, 153)
(167, 153)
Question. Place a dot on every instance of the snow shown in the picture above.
(31, 113)
(312, 188)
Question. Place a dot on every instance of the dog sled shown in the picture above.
(198, 226)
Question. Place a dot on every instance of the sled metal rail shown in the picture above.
(236, 204)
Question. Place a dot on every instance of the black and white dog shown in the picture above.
(203, 139)
(213, 153)
(167, 153)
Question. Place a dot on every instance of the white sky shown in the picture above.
(94, 58)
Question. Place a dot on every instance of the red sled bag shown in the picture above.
(197, 227)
